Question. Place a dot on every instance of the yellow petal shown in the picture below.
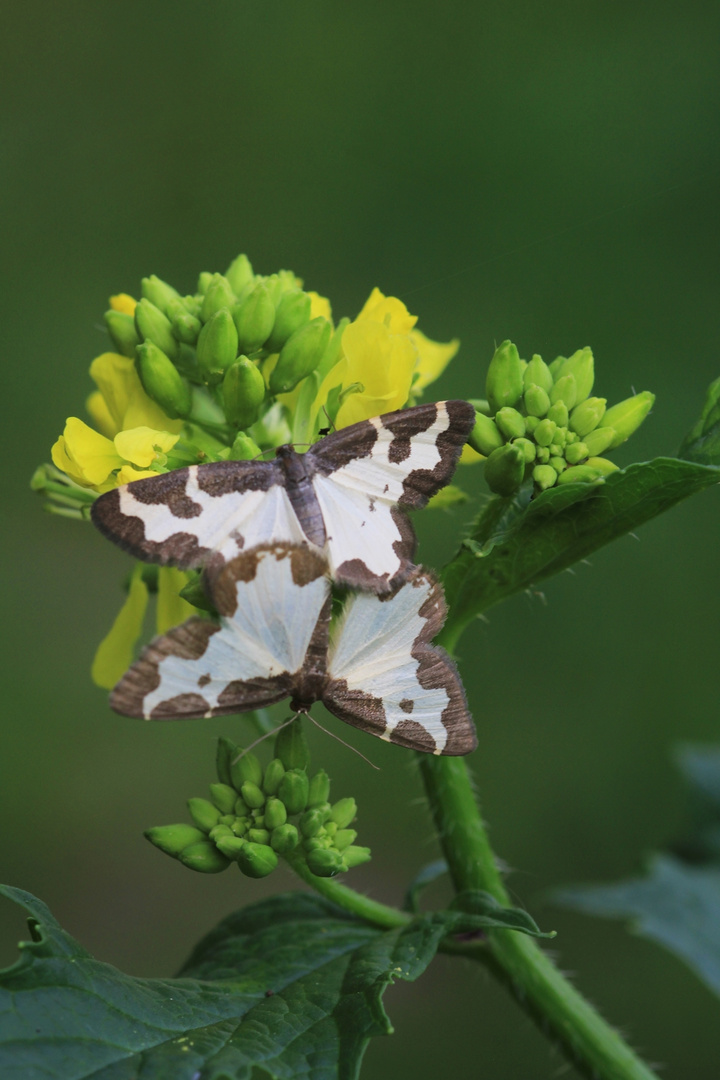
(117, 380)
(100, 414)
(61, 460)
(91, 453)
(144, 412)
(123, 302)
(433, 358)
(446, 497)
(115, 652)
(141, 445)
(172, 609)
(470, 456)
(389, 311)
(319, 305)
(128, 473)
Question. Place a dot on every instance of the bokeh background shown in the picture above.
(547, 173)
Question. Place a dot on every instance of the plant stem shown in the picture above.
(362, 906)
(591, 1044)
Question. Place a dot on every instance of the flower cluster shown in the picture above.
(539, 421)
(255, 815)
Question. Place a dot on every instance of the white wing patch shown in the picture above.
(371, 651)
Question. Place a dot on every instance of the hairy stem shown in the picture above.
(592, 1045)
(362, 906)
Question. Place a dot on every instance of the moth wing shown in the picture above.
(201, 513)
(274, 603)
(367, 474)
(387, 679)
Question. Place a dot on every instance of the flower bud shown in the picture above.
(158, 292)
(565, 390)
(230, 846)
(557, 463)
(217, 345)
(485, 436)
(239, 274)
(293, 311)
(240, 825)
(257, 860)
(244, 448)
(300, 355)
(544, 476)
(254, 317)
(293, 790)
(204, 857)
(225, 753)
(121, 328)
(527, 447)
(537, 373)
(173, 839)
(579, 474)
(504, 469)
(154, 327)
(325, 863)
(356, 856)
(343, 812)
(545, 432)
(284, 838)
(602, 465)
(291, 746)
(274, 772)
(560, 437)
(343, 838)
(252, 795)
(275, 813)
(627, 416)
(598, 441)
(245, 766)
(510, 422)
(537, 401)
(582, 367)
(558, 413)
(321, 842)
(162, 381)
(243, 392)
(331, 829)
(542, 455)
(224, 797)
(241, 808)
(219, 830)
(218, 295)
(258, 836)
(185, 326)
(587, 415)
(203, 813)
(504, 384)
(575, 453)
(319, 791)
(311, 823)
(531, 422)
(204, 279)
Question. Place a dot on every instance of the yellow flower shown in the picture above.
(124, 303)
(319, 305)
(125, 402)
(95, 461)
(433, 358)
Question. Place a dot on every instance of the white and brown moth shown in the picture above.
(374, 668)
(346, 497)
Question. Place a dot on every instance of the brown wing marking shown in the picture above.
(421, 484)
(221, 578)
(356, 575)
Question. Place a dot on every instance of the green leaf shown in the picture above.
(517, 543)
(703, 442)
(429, 873)
(482, 905)
(676, 905)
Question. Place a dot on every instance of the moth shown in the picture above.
(374, 667)
(346, 497)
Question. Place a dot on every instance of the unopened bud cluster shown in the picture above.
(256, 814)
(540, 421)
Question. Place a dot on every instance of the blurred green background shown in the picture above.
(547, 173)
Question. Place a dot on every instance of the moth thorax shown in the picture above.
(293, 464)
(308, 689)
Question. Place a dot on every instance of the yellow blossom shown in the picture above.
(319, 305)
(93, 460)
(127, 403)
(172, 609)
(124, 303)
(433, 358)
(141, 445)
(115, 652)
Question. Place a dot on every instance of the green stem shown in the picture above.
(591, 1044)
(362, 906)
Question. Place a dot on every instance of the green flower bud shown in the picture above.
(571, 437)
(284, 838)
(204, 279)
(558, 413)
(185, 326)
(321, 842)
(536, 400)
(582, 367)
(224, 797)
(162, 381)
(343, 812)
(257, 860)
(252, 794)
(356, 856)
(291, 746)
(245, 767)
(343, 838)
(241, 825)
(227, 819)
(258, 836)
(557, 463)
(243, 392)
(544, 476)
(627, 416)
(173, 839)
(293, 790)
(300, 355)
(331, 829)
(576, 453)
(204, 857)
(258, 818)
(504, 384)
(230, 846)
(325, 863)
(537, 373)
(158, 292)
(542, 455)
(556, 365)
(241, 808)
(244, 448)
(485, 436)
(239, 274)
(565, 390)
(510, 422)
(275, 813)
(154, 327)
(545, 432)
(504, 469)
(311, 823)
(319, 791)
(293, 311)
(121, 328)
(218, 295)
(226, 752)
(599, 440)
(531, 422)
(602, 465)
(555, 449)
(579, 474)
(217, 345)
(254, 317)
(527, 447)
(587, 415)
(193, 304)
(203, 813)
(219, 830)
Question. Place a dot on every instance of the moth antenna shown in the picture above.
(333, 736)
(327, 417)
(263, 737)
